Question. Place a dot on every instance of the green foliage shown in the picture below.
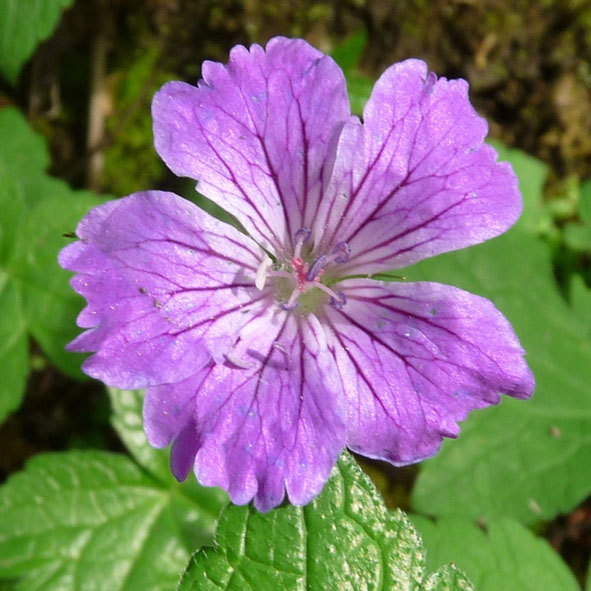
(79, 520)
(348, 55)
(344, 540)
(506, 556)
(35, 210)
(577, 234)
(359, 88)
(578, 237)
(581, 304)
(23, 23)
(127, 421)
(131, 162)
(196, 527)
(528, 460)
(13, 347)
(585, 202)
(96, 520)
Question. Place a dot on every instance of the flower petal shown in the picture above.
(275, 427)
(415, 180)
(167, 288)
(415, 358)
(257, 134)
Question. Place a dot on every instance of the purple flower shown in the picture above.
(265, 353)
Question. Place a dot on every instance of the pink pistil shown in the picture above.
(300, 269)
(307, 276)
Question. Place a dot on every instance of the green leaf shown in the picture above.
(49, 302)
(35, 210)
(577, 237)
(23, 24)
(96, 520)
(348, 53)
(14, 353)
(344, 539)
(359, 88)
(529, 460)
(585, 202)
(22, 152)
(581, 303)
(447, 578)
(21, 149)
(506, 556)
(348, 56)
(81, 520)
(127, 421)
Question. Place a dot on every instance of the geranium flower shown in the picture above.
(266, 352)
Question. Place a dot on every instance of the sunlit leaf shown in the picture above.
(348, 54)
(344, 540)
(581, 303)
(196, 507)
(88, 520)
(74, 521)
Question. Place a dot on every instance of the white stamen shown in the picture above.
(340, 253)
(262, 272)
(325, 289)
(293, 299)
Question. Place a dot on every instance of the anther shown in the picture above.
(341, 252)
(316, 268)
(301, 237)
(303, 234)
(292, 302)
(340, 302)
(287, 306)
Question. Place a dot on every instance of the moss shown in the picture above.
(131, 163)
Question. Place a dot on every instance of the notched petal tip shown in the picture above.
(165, 283)
(524, 385)
(256, 133)
(183, 452)
(68, 255)
(233, 431)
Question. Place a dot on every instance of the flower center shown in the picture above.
(300, 277)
